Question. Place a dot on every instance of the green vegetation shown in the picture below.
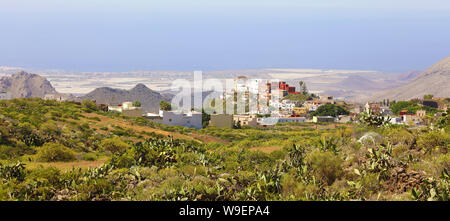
(296, 97)
(374, 120)
(165, 106)
(137, 104)
(428, 96)
(411, 107)
(53, 152)
(303, 88)
(114, 145)
(330, 110)
(57, 151)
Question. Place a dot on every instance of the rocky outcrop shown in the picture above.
(149, 99)
(23, 84)
(402, 180)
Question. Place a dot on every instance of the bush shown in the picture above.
(49, 175)
(90, 157)
(400, 136)
(325, 165)
(53, 152)
(114, 145)
(89, 105)
(434, 139)
(15, 171)
(19, 149)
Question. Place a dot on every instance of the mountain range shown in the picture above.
(434, 80)
(24, 85)
(148, 98)
(358, 86)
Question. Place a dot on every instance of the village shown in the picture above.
(265, 103)
(279, 102)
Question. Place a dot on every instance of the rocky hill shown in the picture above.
(25, 84)
(410, 75)
(435, 80)
(149, 99)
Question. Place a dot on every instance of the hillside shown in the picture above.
(23, 85)
(358, 83)
(149, 99)
(61, 151)
(435, 80)
(410, 75)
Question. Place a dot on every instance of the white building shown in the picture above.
(396, 120)
(291, 120)
(240, 84)
(127, 109)
(344, 119)
(57, 97)
(323, 119)
(190, 119)
(312, 105)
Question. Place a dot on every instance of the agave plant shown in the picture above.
(15, 171)
(379, 160)
(374, 120)
(329, 144)
(297, 156)
(433, 189)
(99, 172)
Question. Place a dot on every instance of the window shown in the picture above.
(170, 120)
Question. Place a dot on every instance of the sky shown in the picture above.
(112, 35)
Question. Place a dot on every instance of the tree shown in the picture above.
(330, 110)
(205, 119)
(89, 105)
(303, 88)
(411, 107)
(428, 96)
(300, 83)
(137, 104)
(165, 106)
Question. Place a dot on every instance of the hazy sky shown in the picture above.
(112, 35)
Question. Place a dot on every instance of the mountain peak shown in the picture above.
(443, 66)
(435, 80)
(24, 84)
(149, 99)
(140, 86)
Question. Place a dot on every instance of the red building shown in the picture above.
(283, 86)
(403, 112)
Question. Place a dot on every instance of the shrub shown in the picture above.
(50, 129)
(53, 152)
(19, 149)
(98, 189)
(89, 105)
(90, 156)
(49, 175)
(325, 165)
(434, 139)
(400, 151)
(400, 136)
(114, 145)
(16, 171)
